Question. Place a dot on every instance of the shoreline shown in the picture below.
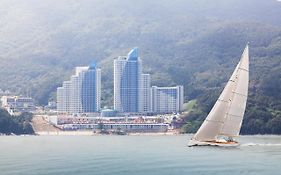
(91, 133)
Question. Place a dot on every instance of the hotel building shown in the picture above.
(167, 99)
(145, 91)
(133, 92)
(82, 93)
(127, 82)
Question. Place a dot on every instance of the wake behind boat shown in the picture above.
(224, 121)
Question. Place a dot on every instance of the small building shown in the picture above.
(17, 103)
(51, 105)
(108, 113)
(8, 101)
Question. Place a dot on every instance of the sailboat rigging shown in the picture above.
(224, 121)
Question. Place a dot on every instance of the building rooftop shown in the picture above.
(133, 54)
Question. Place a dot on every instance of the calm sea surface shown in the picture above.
(135, 155)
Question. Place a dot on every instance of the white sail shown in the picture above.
(237, 106)
(226, 116)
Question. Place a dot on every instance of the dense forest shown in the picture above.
(196, 43)
(15, 124)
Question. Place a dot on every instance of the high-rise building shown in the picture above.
(145, 91)
(82, 93)
(127, 82)
(167, 99)
(133, 92)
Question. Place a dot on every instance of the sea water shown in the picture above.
(136, 155)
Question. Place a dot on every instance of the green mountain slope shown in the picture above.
(196, 43)
(263, 113)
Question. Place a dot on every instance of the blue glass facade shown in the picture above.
(82, 93)
(133, 55)
(88, 91)
(127, 74)
(130, 87)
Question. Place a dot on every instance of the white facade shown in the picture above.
(8, 101)
(82, 93)
(63, 97)
(145, 94)
(167, 99)
(127, 82)
(119, 65)
(98, 89)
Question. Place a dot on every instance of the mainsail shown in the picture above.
(227, 114)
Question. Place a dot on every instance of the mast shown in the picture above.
(226, 116)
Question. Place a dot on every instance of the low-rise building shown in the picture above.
(111, 124)
(17, 103)
(127, 127)
(108, 113)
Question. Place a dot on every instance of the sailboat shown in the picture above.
(224, 121)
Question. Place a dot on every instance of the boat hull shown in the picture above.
(213, 143)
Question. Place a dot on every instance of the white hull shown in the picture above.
(217, 143)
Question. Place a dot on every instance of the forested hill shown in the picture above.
(196, 43)
(20, 124)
